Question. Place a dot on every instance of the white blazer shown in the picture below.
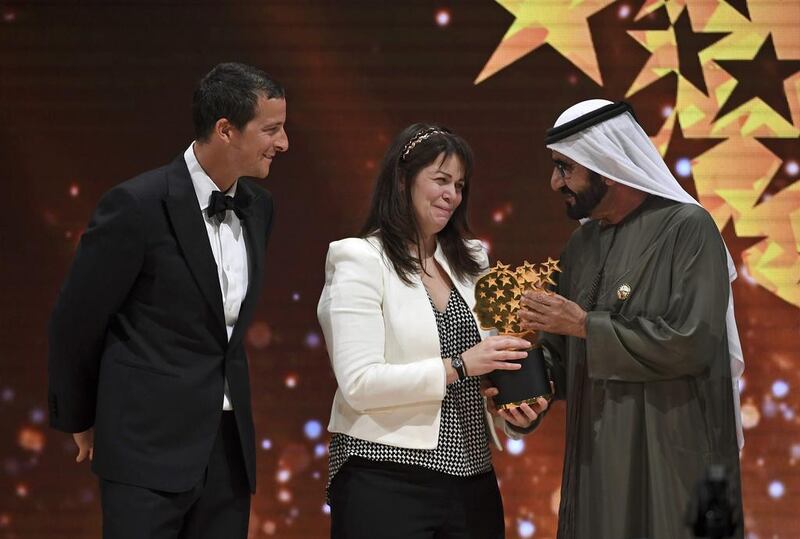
(384, 346)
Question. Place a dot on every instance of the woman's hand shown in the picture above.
(525, 414)
(494, 353)
(521, 417)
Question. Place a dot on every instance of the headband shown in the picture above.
(419, 137)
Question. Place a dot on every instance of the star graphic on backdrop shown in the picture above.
(657, 19)
(786, 150)
(689, 46)
(762, 77)
(696, 111)
(750, 23)
(562, 24)
(672, 8)
(767, 19)
(731, 188)
(738, 244)
(740, 6)
(680, 147)
(675, 50)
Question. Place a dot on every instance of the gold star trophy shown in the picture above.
(497, 301)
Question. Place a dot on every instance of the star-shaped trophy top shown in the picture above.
(499, 291)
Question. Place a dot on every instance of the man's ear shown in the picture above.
(223, 130)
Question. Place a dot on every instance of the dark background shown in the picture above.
(92, 93)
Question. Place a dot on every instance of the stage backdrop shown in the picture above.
(92, 93)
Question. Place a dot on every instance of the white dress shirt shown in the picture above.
(227, 245)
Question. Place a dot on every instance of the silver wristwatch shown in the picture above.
(458, 365)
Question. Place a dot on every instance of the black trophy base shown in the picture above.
(523, 385)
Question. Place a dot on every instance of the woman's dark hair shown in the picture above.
(231, 91)
(391, 214)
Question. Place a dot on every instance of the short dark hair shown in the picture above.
(230, 90)
(391, 213)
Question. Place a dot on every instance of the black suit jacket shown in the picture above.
(138, 345)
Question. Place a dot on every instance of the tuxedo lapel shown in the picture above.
(254, 229)
(190, 231)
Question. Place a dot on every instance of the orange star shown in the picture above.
(562, 24)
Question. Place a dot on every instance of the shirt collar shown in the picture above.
(203, 185)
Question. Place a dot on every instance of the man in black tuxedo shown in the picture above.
(147, 365)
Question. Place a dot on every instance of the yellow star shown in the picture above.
(508, 328)
(483, 294)
(498, 318)
(663, 60)
(500, 267)
(774, 262)
(505, 279)
(769, 19)
(532, 277)
(673, 8)
(552, 265)
(563, 24)
(491, 281)
(747, 34)
(498, 294)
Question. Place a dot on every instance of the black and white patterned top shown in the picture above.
(463, 447)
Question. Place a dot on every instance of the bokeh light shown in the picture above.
(312, 429)
(776, 489)
(683, 167)
(780, 389)
(515, 447)
(525, 528)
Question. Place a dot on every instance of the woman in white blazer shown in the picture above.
(409, 453)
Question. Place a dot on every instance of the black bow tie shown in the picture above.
(219, 203)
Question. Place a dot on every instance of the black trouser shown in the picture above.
(218, 507)
(384, 500)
